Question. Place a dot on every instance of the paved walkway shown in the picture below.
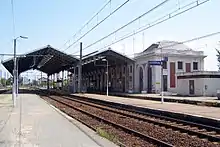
(200, 98)
(209, 112)
(41, 125)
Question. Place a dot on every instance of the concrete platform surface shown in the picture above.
(39, 124)
(204, 111)
(200, 98)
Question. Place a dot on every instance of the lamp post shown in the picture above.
(15, 72)
(106, 75)
(162, 98)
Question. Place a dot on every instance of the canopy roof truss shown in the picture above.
(48, 60)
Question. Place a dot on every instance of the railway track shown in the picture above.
(191, 128)
(115, 124)
(94, 111)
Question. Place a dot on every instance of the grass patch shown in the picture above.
(107, 135)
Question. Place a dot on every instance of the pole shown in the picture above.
(74, 80)
(41, 83)
(28, 79)
(162, 98)
(17, 77)
(48, 84)
(53, 81)
(107, 78)
(62, 78)
(14, 77)
(80, 70)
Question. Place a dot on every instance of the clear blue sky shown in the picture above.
(54, 22)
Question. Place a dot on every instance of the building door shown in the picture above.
(172, 75)
(149, 80)
(140, 79)
(188, 67)
(164, 82)
(191, 87)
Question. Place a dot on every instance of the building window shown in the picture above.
(130, 78)
(195, 65)
(180, 65)
(124, 69)
(131, 69)
(164, 65)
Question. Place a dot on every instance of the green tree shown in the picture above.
(3, 81)
(9, 81)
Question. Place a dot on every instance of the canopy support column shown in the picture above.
(48, 86)
(62, 78)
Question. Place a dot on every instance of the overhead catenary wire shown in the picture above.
(188, 41)
(149, 25)
(127, 24)
(182, 42)
(99, 11)
(163, 19)
(118, 8)
(193, 39)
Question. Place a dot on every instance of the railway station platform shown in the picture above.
(33, 122)
(212, 113)
(202, 100)
(2, 90)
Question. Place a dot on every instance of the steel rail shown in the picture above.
(200, 132)
(124, 128)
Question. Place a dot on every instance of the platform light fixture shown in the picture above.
(15, 72)
(105, 60)
(23, 37)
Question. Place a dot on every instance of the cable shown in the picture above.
(156, 23)
(137, 18)
(98, 24)
(13, 17)
(193, 39)
(183, 42)
(187, 41)
(89, 21)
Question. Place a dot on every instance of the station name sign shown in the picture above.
(158, 62)
(155, 62)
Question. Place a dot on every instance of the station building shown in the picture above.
(180, 58)
(137, 75)
(198, 83)
(95, 71)
(141, 74)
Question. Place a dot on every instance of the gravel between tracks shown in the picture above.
(120, 136)
(150, 118)
(167, 135)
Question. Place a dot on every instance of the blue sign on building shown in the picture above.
(165, 59)
(154, 62)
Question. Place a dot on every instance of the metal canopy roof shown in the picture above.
(95, 62)
(47, 60)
